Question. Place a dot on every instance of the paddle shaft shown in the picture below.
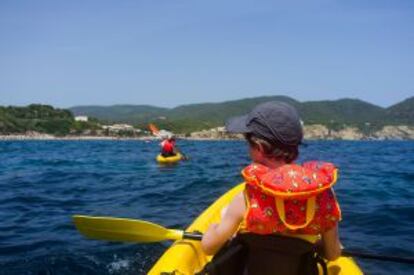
(378, 257)
(198, 236)
(182, 154)
(192, 236)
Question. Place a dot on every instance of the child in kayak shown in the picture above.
(168, 146)
(284, 207)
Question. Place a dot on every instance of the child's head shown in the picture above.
(274, 128)
(277, 151)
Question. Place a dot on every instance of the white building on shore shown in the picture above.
(120, 127)
(81, 118)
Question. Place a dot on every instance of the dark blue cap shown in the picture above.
(274, 121)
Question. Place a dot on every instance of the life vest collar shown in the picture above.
(292, 181)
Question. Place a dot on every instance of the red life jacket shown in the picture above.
(167, 146)
(292, 199)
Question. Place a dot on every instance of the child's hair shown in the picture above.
(278, 151)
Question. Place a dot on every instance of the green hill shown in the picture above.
(120, 113)
(193, 117)
(403, 111)
(184, 118)
(221, 111)
(344, 112)
(187, 118)
(40, 118)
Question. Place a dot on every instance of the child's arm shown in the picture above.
(218, 234)
(331, 244)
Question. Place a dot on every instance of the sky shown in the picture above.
(172, 52)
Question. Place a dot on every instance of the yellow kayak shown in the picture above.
(186, 256)
(168, 160)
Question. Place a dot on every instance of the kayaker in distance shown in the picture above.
(168, 146)
(283, 203)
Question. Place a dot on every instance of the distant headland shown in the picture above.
(344, 119)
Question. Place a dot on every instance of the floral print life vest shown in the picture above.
(291, 199)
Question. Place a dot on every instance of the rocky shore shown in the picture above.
(321, 132)
(41, 136)
(312, 132)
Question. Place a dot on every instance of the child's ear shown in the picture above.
(260, 148)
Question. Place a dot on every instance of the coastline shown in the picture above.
(322, 132)
(311, 132)
(110, 138)
(51, 137)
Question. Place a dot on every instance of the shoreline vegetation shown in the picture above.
(344, 119)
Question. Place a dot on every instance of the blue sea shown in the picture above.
(44, 183)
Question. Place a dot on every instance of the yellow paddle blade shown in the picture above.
(124, 230)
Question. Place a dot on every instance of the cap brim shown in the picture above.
(237, 125)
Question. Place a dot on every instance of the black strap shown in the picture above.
(322, 263)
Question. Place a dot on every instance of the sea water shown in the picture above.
(44, 183)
